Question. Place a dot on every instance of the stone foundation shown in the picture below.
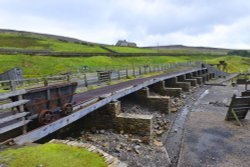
(198, 79)
(173, 83)
(161, 103)
(161, 89)
(135, 124)
(110, 117)
(183, 78)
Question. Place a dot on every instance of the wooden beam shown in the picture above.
(13, 104)
(54, 126)
(12, 117)
(11, 94)
(13, 126)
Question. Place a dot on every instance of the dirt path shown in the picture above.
(209, 140)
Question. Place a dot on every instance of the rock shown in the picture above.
(106, 145)
(128, 149)
(93, 130)
(145, 139)
(159, 132)
(158, 143)
(174, 109)
(136, 149)
(121, 132)
(136, 141)
(102, 131)
(175, 130)
(118, 148)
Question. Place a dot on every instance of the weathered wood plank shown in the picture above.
(50, 128)
(13, 93)
(13, 126)
(12, 117)
(13, 104)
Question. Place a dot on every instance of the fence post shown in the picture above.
(68, 77)
(126, 72)
(134, 71)
(46, 83)
(21, 109)
(85, 80)
(12, 85)
(119, 74)
(140, 72)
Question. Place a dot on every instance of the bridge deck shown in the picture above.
(125, 87)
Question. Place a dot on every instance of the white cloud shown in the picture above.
(215, 23)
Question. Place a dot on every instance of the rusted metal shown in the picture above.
(114, 94)
(49, 99)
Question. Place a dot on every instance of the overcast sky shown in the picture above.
(215, 23)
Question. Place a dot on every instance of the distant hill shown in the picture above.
(190, 49)
(24, 42)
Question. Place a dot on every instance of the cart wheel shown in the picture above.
(45, 117)
(67, 109)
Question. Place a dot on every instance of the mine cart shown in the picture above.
(50, 102)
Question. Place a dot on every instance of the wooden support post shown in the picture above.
(85, 80)
(21, 109)
(119, 74)
(134, 72)
(46, 83)
(126, 72)
(12, 85)
(140, 72)
(68, 77)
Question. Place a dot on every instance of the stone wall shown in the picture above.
(183, 78)
(161, 89)
(161, 103)
(198, 79)
(173, 83)
(110, 117)
(135, 124)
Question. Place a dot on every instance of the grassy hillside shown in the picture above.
(45, 65)
(189, 50)
(122, 49)
(34, 42)
(34, 66)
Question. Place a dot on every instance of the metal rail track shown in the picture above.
(87, 102)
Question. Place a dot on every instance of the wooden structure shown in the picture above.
(12, 74)
(15, 109)
(104, 76)
(49, 103)
(241, 79)
(83, 109)
(239, 106)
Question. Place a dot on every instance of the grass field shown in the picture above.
(50, 155)
(19, 41)
(34, 66)
(122, 49)
(33, 41)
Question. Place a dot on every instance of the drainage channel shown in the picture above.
(175, 136)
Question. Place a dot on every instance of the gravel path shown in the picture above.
(208, 139)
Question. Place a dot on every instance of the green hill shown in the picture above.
(102, 55)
